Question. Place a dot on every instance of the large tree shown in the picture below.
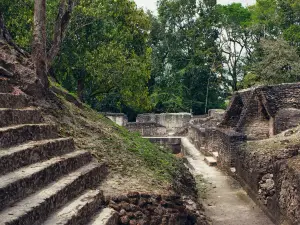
(39, 54)
(184, 53)
(235, 41)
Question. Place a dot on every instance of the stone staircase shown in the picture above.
(43, 179)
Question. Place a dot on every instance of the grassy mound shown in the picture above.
(135, 163)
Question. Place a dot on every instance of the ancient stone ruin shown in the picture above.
(245, 145)
(44, 179)
(256, 140)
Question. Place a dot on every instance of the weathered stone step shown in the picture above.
(106, 216)
(32, 152)
(210, 161)
(78, 211)
(22, 182)
(14, 135)
(8, 100)
(215, 155)
(11, 117)
(34, 209)
(5, 87)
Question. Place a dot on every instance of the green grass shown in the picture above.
(126, 153)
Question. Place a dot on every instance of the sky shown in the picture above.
(151, 4)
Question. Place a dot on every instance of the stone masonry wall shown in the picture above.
(286, 119)
(171, 121)
(252, 111)
(152, 209)
(119, 118)
(271, 177)
(226, 143)
(197, 136)
(148, 129)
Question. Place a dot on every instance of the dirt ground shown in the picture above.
(224, 200)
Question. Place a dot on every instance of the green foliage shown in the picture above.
(279, 63)
(184, 53)
(116, 57)
(251, 79)
(105, 58)
(264, 18)
(19, 20)
(235, 40)
(159, 160)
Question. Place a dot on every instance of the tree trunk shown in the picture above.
(62, 21)
(39, 55)
(80, 88)
(5, 35)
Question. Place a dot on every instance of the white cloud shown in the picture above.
(147, 4)
(151, 4)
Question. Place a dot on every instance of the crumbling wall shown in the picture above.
(262, 166)
(216, 114)
(148, 129)
(171, 121)
(119, 118)
(252, 111)
(287, 183)
(197, 136)
(226, 143)
(173, 143)
(233, 112)
(285, 119)
(153, 209)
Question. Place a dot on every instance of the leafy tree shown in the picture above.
(105, 57)
(279, 62)
(265, 19)
(235, 41)
(184, 52)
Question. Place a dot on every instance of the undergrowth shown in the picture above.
(126, 153)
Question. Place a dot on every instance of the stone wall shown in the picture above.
(216, 114)
(147, 129)
(144, 208)
(271, 176)
(119, 118)
(174, 143)
(286, 119)
(171, 121)
(226, 143)
(253, 111)
(197, 136)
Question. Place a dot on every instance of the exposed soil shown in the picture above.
(225, 201)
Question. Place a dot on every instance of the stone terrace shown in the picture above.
(44, 180)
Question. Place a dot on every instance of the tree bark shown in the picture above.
(80, 88)
(39, 54)
(5, 35)
(62, 21)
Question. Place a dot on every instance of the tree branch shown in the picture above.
(62, 21)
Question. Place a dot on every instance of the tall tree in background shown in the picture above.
(39, 55)
(235, 41)
(184, 51)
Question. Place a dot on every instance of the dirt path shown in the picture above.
(226, 203)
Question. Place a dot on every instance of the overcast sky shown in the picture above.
(151, 4)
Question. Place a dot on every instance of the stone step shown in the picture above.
(106, 216)
(215, 155)
(32, 152)
(11, 117)
(78, 211)
(210, 161)
(5, 87)
(14, 135)
(34, 209)
(26, 180)
(8, 100)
